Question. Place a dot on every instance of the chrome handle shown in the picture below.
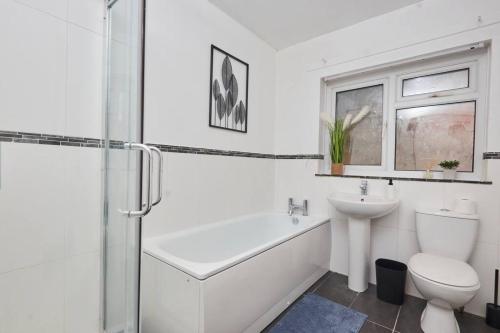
(160, 173)
(146, 207)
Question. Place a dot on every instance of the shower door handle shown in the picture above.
(146, 206)
(160, 174)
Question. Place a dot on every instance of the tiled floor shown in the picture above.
(384, 317)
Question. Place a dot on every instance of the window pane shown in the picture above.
(364, 143)
(428, 135)
(436, 82)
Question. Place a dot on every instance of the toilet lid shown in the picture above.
(443, 270)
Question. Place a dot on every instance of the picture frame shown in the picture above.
(228, 103)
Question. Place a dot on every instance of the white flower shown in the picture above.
(326, 118)
(347, 121)
(365, 110)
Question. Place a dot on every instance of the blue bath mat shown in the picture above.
(315, 314)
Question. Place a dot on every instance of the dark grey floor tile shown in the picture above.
(370, 327)
(319, 282)
(409, 315)
(378, 311)
(470, 323)
(335, 289)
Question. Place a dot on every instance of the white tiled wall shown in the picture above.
(51, 75)
(49, 238)
(200, 189)
(84, 76)
(50, 196)
(177, 77)
(394, 236)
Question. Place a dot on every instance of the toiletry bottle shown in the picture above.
(390, 192)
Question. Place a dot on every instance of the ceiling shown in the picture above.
(283, 23)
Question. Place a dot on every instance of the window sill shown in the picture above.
(410, 179)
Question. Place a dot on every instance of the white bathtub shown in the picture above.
(232, 276)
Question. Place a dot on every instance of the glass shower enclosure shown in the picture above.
(127, 167)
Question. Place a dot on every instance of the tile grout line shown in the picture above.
(352, 302)
(65, 131)
(322, 282)
(375, 323)
(392, 330)
(397, 318)
(65, 20)
(50, 261)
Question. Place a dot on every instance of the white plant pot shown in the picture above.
(450, 174)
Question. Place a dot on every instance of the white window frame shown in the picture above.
(472, 66)
(392, 79)
(357, 85)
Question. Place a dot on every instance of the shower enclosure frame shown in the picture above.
(132, 320)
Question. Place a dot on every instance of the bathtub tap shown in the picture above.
(293, 207)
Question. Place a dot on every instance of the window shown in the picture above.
(437, 82)
(426, 135)
(419, 114)
(364, 146)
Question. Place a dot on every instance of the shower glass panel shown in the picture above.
(122, 233)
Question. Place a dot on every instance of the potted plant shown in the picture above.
(449, 169)
(338, 131)
(337, 139)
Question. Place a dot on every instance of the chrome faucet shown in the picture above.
(364, 187)
(293, 207)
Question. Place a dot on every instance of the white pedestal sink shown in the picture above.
(360, 209)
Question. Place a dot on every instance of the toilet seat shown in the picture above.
(443, 271)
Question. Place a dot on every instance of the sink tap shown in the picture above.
(364, 187)
(292, 207)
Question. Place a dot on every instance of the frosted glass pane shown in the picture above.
(436, 82)
(427, 135)
(364, 143)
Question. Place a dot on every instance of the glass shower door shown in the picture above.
(123, 167)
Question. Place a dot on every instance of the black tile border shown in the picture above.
(300, 157)
(409, 179)
(73, 141)
(207, 151)
(50, 139)
(491, 156)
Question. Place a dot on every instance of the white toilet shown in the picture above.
(440, 272)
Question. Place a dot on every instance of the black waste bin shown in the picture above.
(391, 280)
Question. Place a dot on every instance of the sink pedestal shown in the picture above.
(359, 253)
(360, 209)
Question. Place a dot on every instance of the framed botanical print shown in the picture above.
(228, 91)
